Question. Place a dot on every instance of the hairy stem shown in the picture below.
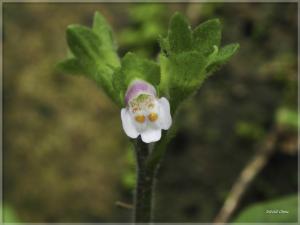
(145, 184)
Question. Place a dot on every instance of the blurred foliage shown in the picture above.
(148, 20)
(65, 155)
(288, 117)
(9, 215)
(283, 210)
(249, 130)
(129, 174)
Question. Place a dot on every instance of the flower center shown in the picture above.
(140, 118)
(153, 116)
(144, 107)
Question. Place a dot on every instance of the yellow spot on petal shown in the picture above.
(153, 117)
(140, 118)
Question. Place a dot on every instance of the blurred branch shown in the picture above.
(124, 205)
(246, 177)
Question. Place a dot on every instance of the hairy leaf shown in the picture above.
(104, 31)
(108, 44)
(135, 67)
(221, 57)
(84, 43)
(71, 66)
(164, 44)
(181, 75)
(206, 35)
(180, 34)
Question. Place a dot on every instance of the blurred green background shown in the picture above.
(66, 158)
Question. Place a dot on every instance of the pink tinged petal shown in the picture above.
(127, 123)
(151, 135)
(138, 87)
(165, 118)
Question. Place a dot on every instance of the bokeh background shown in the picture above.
(65, 157)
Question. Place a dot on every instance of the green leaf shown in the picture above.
(105, 34)
(104, 31)
(90, 58)
(87, 46)
(206, 35)
(71, 66)
(221, 57)
(165, 73)
(118, 83)
(84, 43)
(282, 210)
(184, 59)
(164, 44)
(180, 34)
(135, 67)
(181, 76)
(103, 75)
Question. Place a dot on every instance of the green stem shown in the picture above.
(145, 184)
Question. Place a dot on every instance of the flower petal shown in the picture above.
(164, 114)
(138, 87)
(140, 127)
(127, 123)
(151, 135)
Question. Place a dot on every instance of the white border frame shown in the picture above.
(132, 1)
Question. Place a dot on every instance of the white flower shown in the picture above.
(145, 114)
